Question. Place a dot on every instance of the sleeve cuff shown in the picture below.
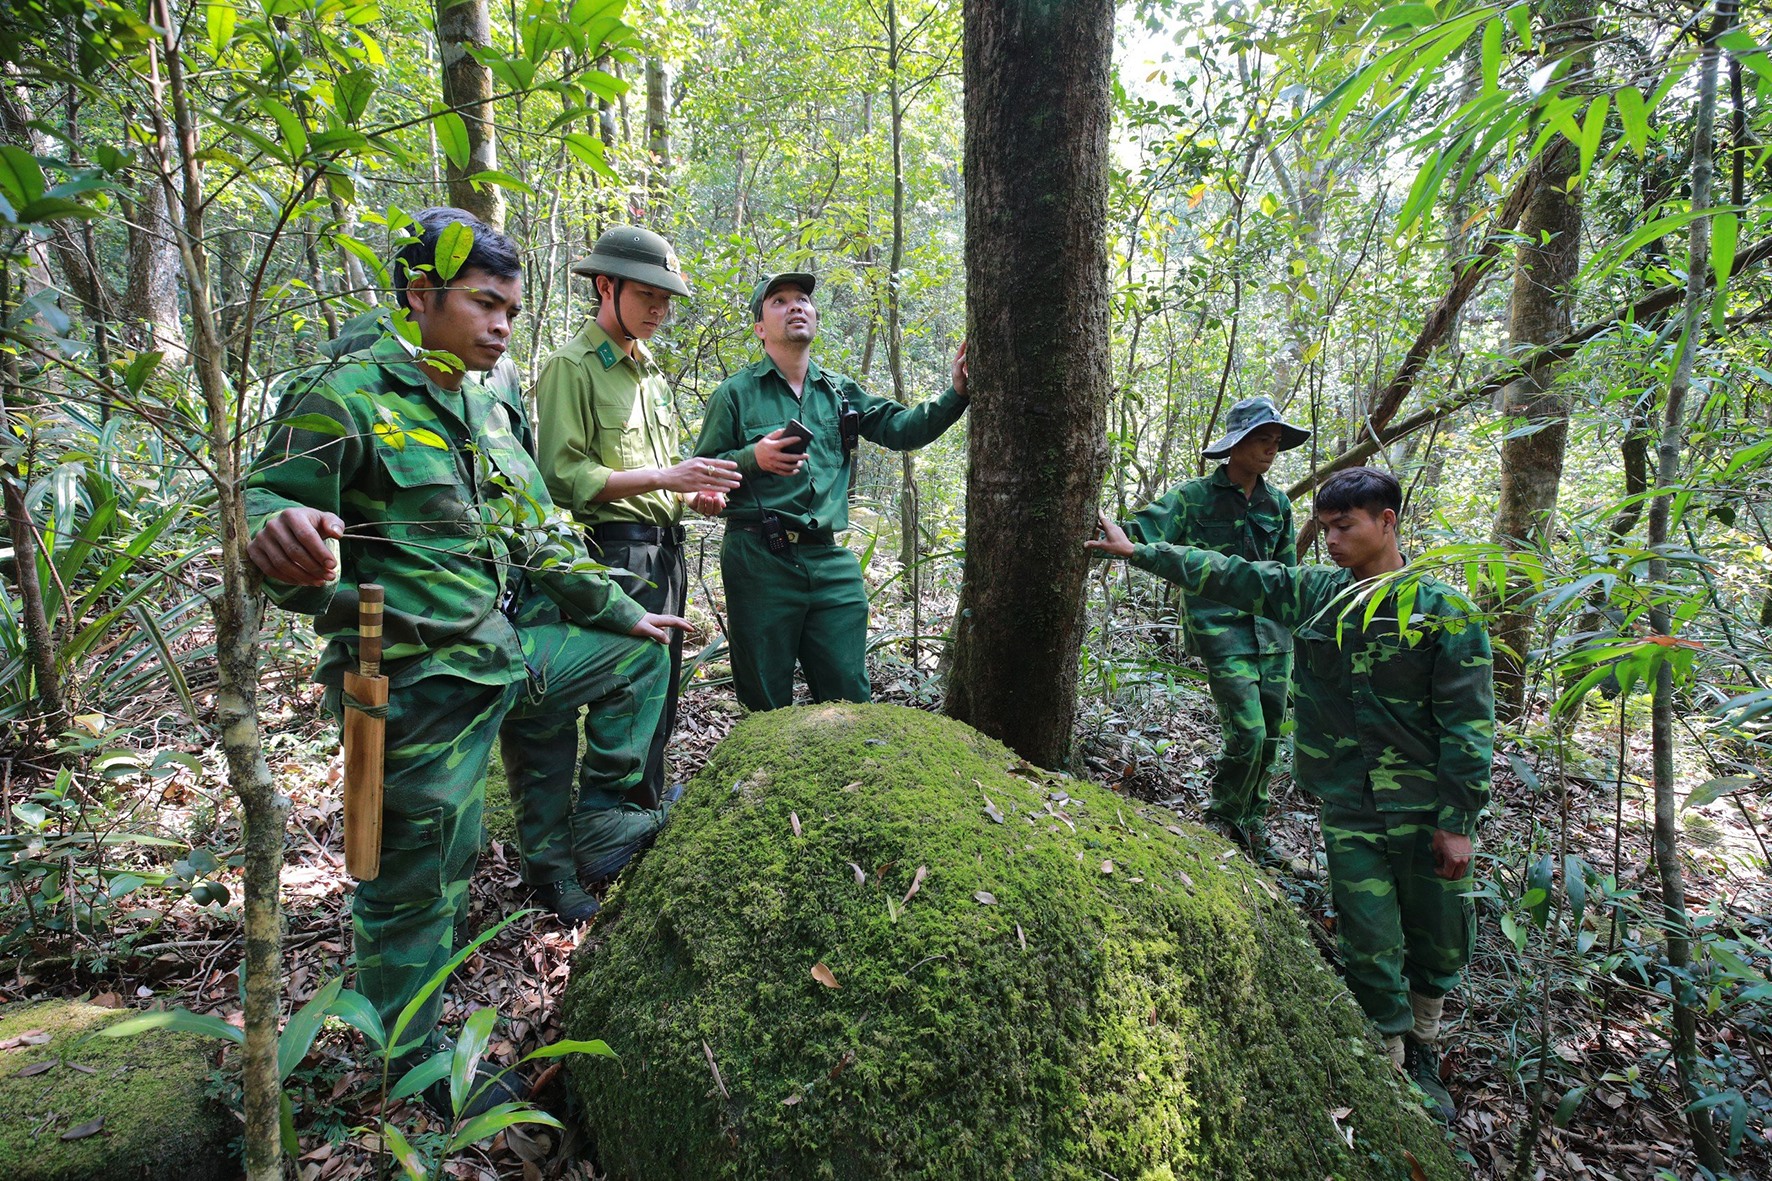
(1458, 820)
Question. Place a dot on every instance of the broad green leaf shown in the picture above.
(286, 1124)
(410, 1161)
(422, 1076)
(367, 255)
(53, 209)
(140, 367)
(482, 1127)
(289, 126)
(1593, 129)
(1569, 1104)
(318, 424)
(1712, 790)
(470, 1047)
(454, 244)
(417, 1002)
(353, 93)
(21, 177)
(1520, 17)
(1492, 57)
(1613, 256)
(354, 1009)
(1634, 116)
(427, 438)
(300, 1030)
(452, 137)
(1575, 886)
(220, 18)
(1723, 229)
(596, 1047)
(1402, 14)
(178, 1021)
(589, 151)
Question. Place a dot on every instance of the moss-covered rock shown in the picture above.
(907, 954)
(149, 1092)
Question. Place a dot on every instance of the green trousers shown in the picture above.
(1401, 927)
(807, 606)
(1250, 693)
(440, 731)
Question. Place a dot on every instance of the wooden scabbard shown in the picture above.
(366, 700)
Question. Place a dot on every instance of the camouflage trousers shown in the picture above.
(1249, 690)
(1401, 927)
(807, 606)
(440, 731)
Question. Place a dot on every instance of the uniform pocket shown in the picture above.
(411, 854)
(621, 428)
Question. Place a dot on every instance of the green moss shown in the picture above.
(1167, 1019)
(499, 817)
(158, 1123)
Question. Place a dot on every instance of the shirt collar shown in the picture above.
(1222, 479)
(594, 335)
(768, 365)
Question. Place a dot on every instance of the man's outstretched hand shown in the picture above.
(1113, 541)
(291, 547)
(1452, 854)
(658, 627)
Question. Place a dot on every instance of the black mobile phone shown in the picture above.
(803, 438)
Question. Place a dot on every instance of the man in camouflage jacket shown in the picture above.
(421, 470)
(1248, 658)
(1396, 722)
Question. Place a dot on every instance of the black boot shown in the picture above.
(1421, 1063)
(567, 899)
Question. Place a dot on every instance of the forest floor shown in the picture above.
(1609, 1102)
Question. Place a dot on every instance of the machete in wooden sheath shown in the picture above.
(366, 722)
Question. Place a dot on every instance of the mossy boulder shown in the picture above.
(146, 1094)
(909, 955)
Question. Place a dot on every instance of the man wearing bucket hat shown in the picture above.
(794, 594)
(1248, 659)
(609, 446)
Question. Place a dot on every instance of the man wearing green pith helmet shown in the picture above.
(794, 594)
(610, 447)
(1248, 659)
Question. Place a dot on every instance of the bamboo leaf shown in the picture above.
(1633, 114)
(1723, 230)
(1492, 35)
(1593, 129)
(178, 1021)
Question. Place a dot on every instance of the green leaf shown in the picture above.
(178, 1021)
(417, 1002)
(452, 137)
(300, 1030)
(422, 1075)
(319, 424)
(1570, 1103)
(53, 209)
(1634, 116)
(1593, 129)
(286, 1125)
(559, 1049)
(140, 367)
(1402, 14)
(220, 19)
(354, 1009)
(589, 151)
(1492, 35)
(1575, 886)
(410, 1161)
(353, 93)
(491, 1123)
(454, 244)
(470, 1047)
(1520, 17)
(1539, 881)
(1713, 790)
(289, 126)
(21, 177)
(1723, 229)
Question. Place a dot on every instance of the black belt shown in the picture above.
(795, 536)
(649, 534)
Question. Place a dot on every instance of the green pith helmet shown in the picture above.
(629, 252)
(1248, 414)
(768, 283)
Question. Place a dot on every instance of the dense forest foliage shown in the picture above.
(1515, 253)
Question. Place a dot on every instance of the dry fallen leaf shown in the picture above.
(89, 1128)
(30, 1037)
(36, 1068)
(1416, 1173)
(824, 975)
(1176, 829)
(719, 1082)
(1022, 936)
(843, 1063)
(791, 1100)
(861, 879)
(991, 810)
(916, 883)
(1107, 867)
(794, 820)
(986, 897)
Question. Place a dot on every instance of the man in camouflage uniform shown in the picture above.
(1248, 658)
(794, 594)
(609, 447)
(421, 470)
(1396, 723)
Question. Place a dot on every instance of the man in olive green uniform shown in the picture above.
(609, 447)
(1396, 724)
(792, 592)
(1248, 658)
(421, 471)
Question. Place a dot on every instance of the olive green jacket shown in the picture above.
(1212, 513)
(598, 411)
(442, 506)
(1407, 712)
(757, 400)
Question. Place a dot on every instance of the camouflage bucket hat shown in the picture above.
(769, 283)
(1248, 414)
(629, 252)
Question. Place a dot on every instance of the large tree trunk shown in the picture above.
(658, 134)
(1037, 112)
(907, 490)
(467, 89)
(150, 298)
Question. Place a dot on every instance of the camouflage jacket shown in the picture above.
(1408, 713)
(442, 505)
(757, 400)
(1212, 513)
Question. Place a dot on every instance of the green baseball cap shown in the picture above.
(1248, 414)
(629, 252)
(768, 283)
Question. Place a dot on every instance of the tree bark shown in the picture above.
(467, 89)
(1546, 261)
(658, 134)
(235, 607)
(1037, 115)
(1675, 921)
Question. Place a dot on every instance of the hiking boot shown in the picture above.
(1227, 830)
(567, 899)
(1421, 1063)
(606, 841)
(1270, 854)
(487, 1089)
